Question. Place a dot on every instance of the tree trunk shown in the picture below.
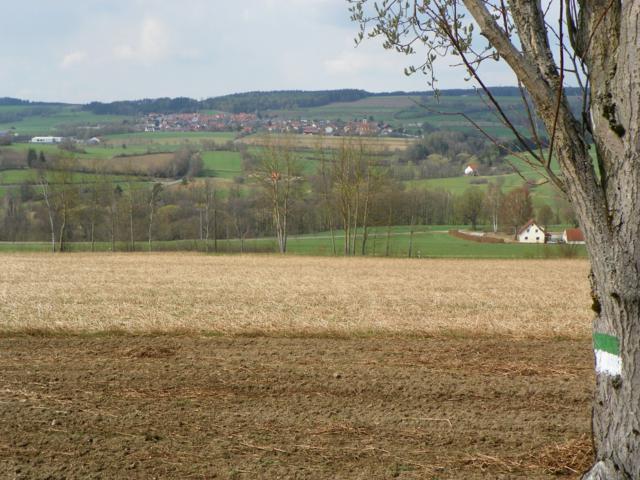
(410, 253)
(365, 232)
(355, 222)
(215, 230)
(333, 237)
(131, 237)
(45, 193)
(375, 239)
(93, 239)
(388, 234)
(63, 226)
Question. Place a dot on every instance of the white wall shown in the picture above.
(532, 234)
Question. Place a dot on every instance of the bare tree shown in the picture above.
(43, 181)
(113, 197)
(596, 42)
(65, 197)
(154, 196)
(327, 199)
(492, 204)
(131, 200)
(279, 173)
(347, 177)
(210, 215)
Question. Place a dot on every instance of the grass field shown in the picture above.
(168, 138)
(56, 117)
(377, 144)
(222, 164)
(428, 242)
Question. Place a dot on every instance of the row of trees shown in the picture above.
(349, 192)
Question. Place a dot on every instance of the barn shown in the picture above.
(573, 236)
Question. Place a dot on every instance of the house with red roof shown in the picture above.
(573, 236)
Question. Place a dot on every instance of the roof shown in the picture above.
(528, 224)
(574, 235)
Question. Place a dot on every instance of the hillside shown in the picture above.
(405, 112)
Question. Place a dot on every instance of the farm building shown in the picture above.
(46, 140)
(573, 236)
(93, 141)
(471, 170)
(531, 232)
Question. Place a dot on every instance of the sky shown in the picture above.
(84, 50)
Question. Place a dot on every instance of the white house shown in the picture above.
(470, 170)
(531, 232)
(93, 141)
(46, 140)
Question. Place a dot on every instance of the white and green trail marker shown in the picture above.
(607, 349)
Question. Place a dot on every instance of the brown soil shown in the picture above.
(240, 407)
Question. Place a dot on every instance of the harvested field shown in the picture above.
(292, 295)
(241, 367)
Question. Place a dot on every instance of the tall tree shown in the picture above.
(596, 41)
(154, 197)
(516, 208)
(470, 205)
(210, 201)
(492, 204)
(279, 174)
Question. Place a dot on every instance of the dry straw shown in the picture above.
(292, 295)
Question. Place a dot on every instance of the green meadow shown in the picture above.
(426, 242)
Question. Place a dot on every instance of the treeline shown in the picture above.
(259, 101)
(235, 103)
(9, 101)
(37, 110)
(347, 196)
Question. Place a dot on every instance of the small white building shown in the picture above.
(93, 141)
(46, 140)
(531, 232)
(470, 171)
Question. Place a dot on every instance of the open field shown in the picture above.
(168, 138)
(193, 366)
(453, 408)
(54, 117)
(291, 295)
(428, 242)
(376, 144)
(132, 165)
(223, 164)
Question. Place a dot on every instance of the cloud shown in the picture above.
(151, 45)
(73, 58)
(348, 63)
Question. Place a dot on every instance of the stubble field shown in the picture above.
(192, 366)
